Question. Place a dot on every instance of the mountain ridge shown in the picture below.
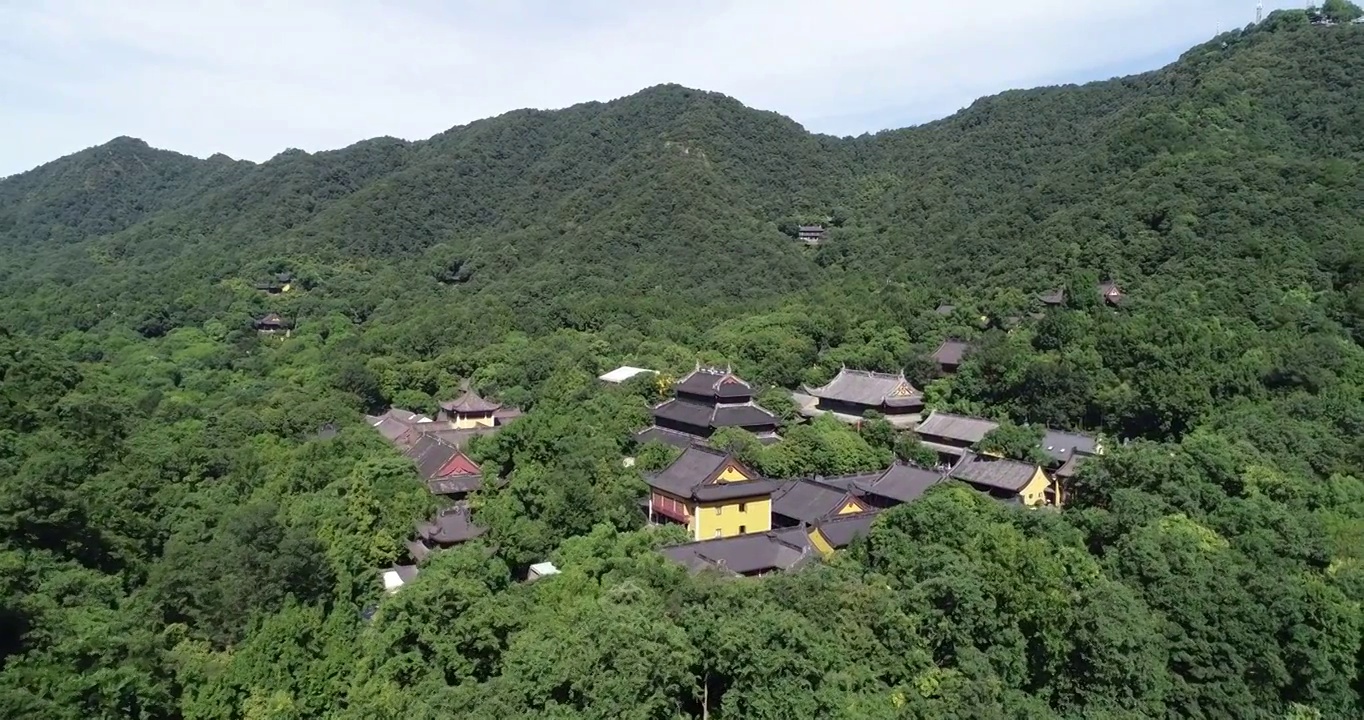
(613, 189)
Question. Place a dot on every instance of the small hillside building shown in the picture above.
(1109, 292)
(812, 234)
(469, 410)
(711, 493)
(854, 392)
(950, 354)
(272, 324)
(450, 527)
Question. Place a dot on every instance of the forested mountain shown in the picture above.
(180, 541)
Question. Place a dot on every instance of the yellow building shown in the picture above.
(1004, 478)
(712, 493)
(469, 411)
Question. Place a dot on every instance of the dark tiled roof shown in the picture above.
(434, 457)
(692, 474)
(714, 383)
(1053, 297)
(810, 501)
(451, 526)
(455, 484)
(812, 228)
(903, 482)
(746, 554)
(450, 436)
(946, 309)
(951, 352)
(955, 427)
(863, 387)
(701, 415)
(665, 436)
(853, 483)
(407, 573)
(272, 320)
(1062, 445)
(998, 473)
(391, 429)
(417, 550)
(1072, 465)
(685, 411)
(1110, 292)
(505, 415)
(693, 467)
(469, 402)
(742, 416)
(735, 490)
(841, 531)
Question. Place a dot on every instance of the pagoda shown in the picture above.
(709, 399)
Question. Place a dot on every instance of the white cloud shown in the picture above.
(250, 78)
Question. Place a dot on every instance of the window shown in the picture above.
(743, 507)
(718, 508)
(743, 529)
(717, 532)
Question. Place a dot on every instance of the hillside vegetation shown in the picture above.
(178, 540)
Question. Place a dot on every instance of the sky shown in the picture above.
(251, 78)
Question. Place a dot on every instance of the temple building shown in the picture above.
(712, 493)
(1061, 446)
(809, 502)
(812, 234)
(470, 410)
(952, 436)
(1005, 479)
(709, 399)
(949, 355)
(1109, 292)
(854, 392)
(747, 555)
(456, 478)
(280, 283)
(1063, 476)
(272, 324)
(779, 550)
(899, 484)
(451, 527)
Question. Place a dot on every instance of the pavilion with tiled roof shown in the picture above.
(709, 399)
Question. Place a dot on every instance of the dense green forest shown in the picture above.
(179, 540)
